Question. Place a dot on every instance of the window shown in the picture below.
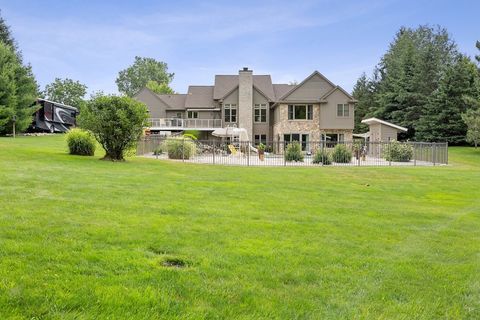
(260, 138)
(332, 139)
(343, 110)
(302, 138)
(260, 112)
(230, 112)
(192, 115)
(179, 115)
(300, 112)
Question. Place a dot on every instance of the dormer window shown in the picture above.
(343, 110)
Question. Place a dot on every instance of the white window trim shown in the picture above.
(260, 107)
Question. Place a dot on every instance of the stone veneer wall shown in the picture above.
(284, 126)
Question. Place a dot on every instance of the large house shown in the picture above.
(313, 110)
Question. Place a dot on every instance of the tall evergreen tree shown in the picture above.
(443, 119)
(407, 75)
(477, 57)
(18, 91)
(6, 37)
(5, 33)
(364, 92)
(410, 72)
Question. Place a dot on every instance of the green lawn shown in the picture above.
(87, 239)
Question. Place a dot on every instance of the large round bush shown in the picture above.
(81, 142)
(398, 152)
(116, 122)
(294, 152)
(341, 154)
(179, 148)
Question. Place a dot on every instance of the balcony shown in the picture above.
(183, 124)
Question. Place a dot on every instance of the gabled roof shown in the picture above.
(281, 88)
(199, 97)
(335, 89)
(226, 84)
(264, 84)
(375, 120)
(315, 73)
(173, 101)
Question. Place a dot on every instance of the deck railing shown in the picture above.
(179, 124)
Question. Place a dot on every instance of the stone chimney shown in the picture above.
(245, 101)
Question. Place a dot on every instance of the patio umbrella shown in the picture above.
(223, 132)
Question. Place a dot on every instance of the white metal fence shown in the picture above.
(313, 153)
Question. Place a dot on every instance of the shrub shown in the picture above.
(81, 142)
(179, 148)
(116, 122)
(158, 151)
(322, 156)
(294, 152)
(398, 152)
(341, 154)
(192, 134)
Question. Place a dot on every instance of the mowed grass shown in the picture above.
(146, 239)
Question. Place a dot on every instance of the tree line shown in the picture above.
(19, 88)
(425, 84)
(422, 83)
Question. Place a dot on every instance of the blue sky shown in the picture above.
(91, 41)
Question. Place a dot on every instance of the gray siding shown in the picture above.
(232, 98)
(312, 90)
(156, 108)
(173, 113)
(388, 133)
(328, 113)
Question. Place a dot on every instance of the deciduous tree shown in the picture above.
(66, 91)
(472, 120)
(159, 88)
(116, 122)
(143, 70)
